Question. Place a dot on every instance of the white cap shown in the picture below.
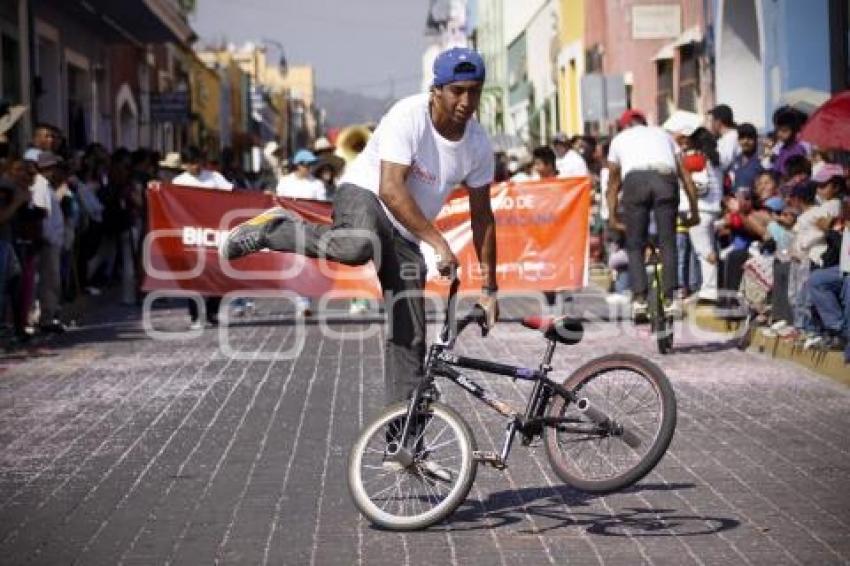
(32, 154)
(322, 144)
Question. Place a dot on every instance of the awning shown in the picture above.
(666, 52)
(690, 35)
(687, 37)
(805, 99)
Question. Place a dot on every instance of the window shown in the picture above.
(688, 78)
(664, 98)
(593, 60)
(79, 106)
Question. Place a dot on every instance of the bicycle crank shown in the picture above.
(489, 457)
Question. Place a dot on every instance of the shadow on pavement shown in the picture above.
(557, 507)
(706, 348)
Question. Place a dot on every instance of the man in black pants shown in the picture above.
(386, 201)
(643, 161)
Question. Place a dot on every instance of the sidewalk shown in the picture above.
(828, 363)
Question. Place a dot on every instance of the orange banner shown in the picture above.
(541, 226)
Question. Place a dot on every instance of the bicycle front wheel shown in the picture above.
(633, 392)
(422, 488)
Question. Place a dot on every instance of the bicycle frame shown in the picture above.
(441, 361)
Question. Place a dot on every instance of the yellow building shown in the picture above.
(205, 88)
(570, 65)
(290, 93)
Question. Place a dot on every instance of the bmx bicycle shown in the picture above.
(604, 428)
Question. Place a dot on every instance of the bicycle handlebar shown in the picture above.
(476, 315)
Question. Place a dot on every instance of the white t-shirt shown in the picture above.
(728, 148)
(710, 180)
(809, 239)
(295, 187)
(572, 164)
(407, 136)
(642, 147)
(53, 226)
(206, 178)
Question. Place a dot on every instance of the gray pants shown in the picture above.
(645, 191)
(49, 283)
(357, 214)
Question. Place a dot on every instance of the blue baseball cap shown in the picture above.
(304, 157)
(458, 64)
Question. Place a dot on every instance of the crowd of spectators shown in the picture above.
(774, 233)
(773, 230)
(72, 222)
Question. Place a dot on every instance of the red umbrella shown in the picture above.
(829, 126)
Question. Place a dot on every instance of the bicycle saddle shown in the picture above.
(562, 329)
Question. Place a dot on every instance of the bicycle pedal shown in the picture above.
(489, 457)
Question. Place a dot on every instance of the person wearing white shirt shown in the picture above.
(722, 125)
(644, 162)
(53, 229)
(709, 183)
(568, 161)
(544, 163)
(301, 183)
(572, 165)
(388, 198)
(196, 176)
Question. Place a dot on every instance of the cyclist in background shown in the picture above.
(643, 161)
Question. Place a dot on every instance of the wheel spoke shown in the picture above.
(628, 397)
(439, 456)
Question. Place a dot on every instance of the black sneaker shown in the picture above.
(249, 237)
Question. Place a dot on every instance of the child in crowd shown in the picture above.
(781, 228)
(766, 185)
(798, 170)
(831, 187)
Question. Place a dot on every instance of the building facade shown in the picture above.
(491, 44)
(91, 67)
(768, 48)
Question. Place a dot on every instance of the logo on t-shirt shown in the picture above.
(421, 174)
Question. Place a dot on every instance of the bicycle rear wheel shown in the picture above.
(628, 389)
(660, 324)
(423, 491)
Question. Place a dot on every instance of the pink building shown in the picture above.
(656, 46)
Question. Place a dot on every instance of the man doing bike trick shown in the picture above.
(387, 199)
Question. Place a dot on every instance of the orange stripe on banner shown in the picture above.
(542, 236)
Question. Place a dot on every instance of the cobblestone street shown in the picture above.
(119, 449)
